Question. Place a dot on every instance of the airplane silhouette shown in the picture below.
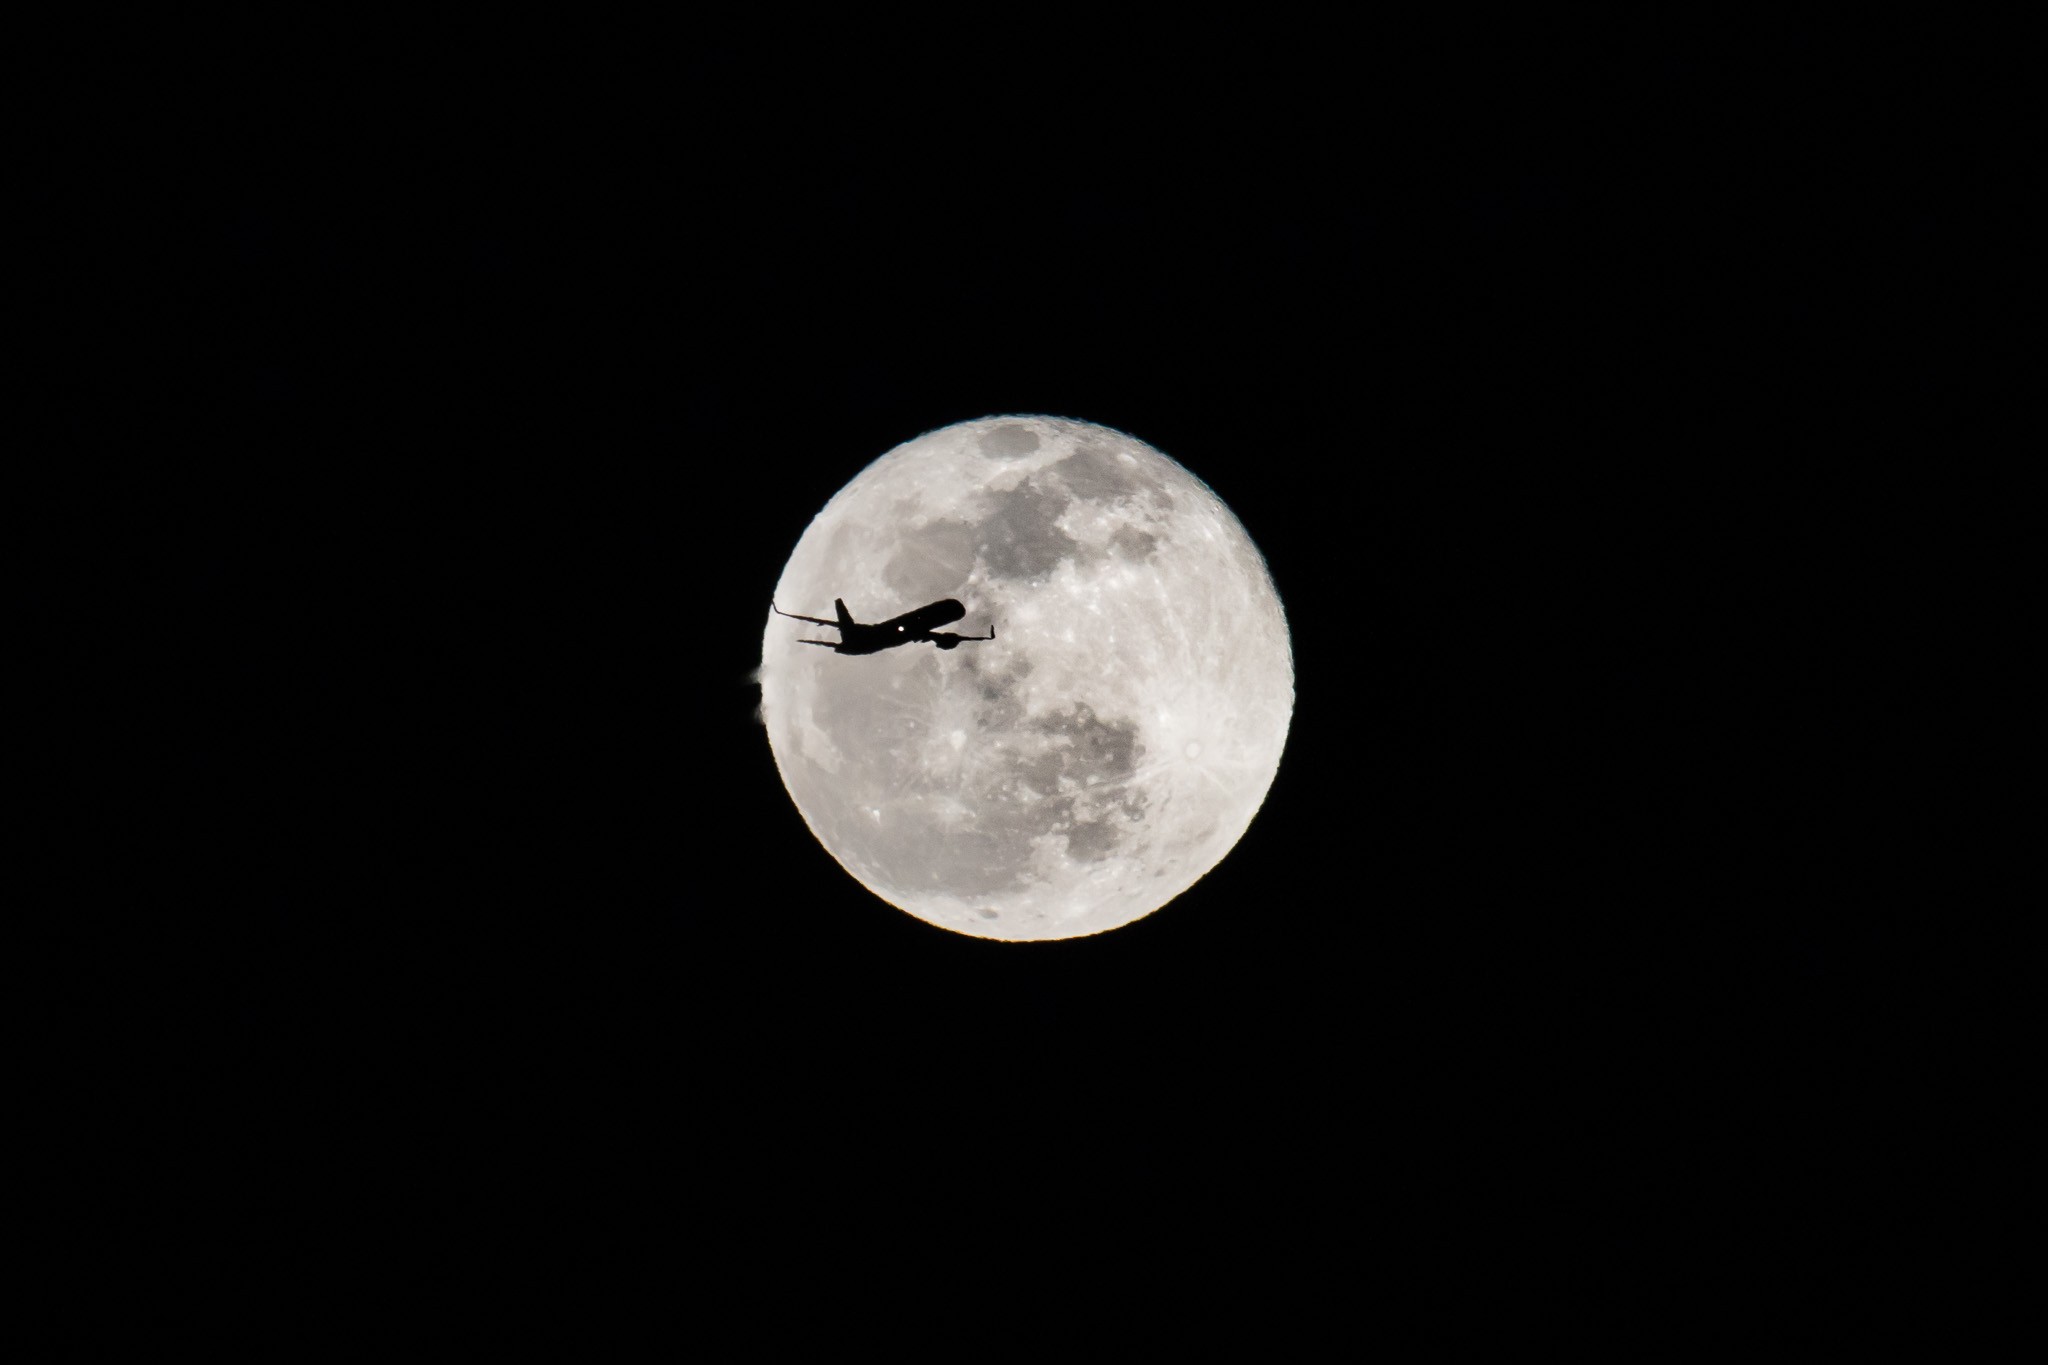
(911, 627)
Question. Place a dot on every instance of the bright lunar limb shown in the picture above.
(1097, 757)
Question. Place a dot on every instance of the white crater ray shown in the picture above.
(1096, 758)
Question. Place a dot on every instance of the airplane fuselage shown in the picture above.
(912, 627)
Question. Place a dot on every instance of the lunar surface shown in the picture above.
(1096, 758)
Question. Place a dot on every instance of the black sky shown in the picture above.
(458, 412)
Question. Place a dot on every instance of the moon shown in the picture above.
(1101, 754)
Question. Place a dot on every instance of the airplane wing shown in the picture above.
(814, 620)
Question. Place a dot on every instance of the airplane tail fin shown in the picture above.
(845, 617)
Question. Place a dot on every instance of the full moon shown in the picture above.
(1097, 757)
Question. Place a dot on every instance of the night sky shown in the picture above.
(453, 418)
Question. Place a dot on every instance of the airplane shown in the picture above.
(911, 627)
